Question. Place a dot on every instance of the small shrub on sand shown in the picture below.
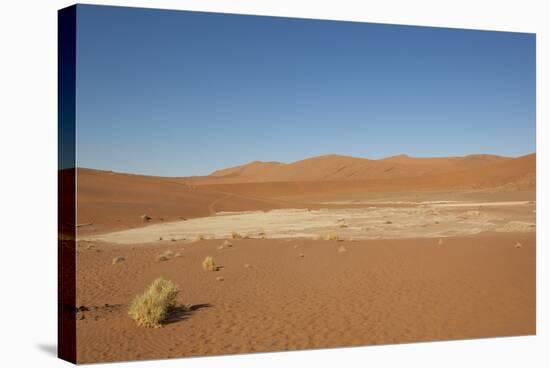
(226, 244)
(151, 308)
(200, 237)
(208, 264)
(162, 258)
(145, 218)
(235, 235)
(118, 259)
(332, 237)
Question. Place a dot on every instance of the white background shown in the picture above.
(28, 166)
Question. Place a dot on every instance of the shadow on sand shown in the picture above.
(182, 312)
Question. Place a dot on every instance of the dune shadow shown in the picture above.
(50, 349)
(183, 312)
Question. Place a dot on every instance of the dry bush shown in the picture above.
(226, 244)
(200, 237)
(162, 258)
(235, 235)
(208, 264)
(145, 218)
(118, 259)
(151, 308)
(332, 236)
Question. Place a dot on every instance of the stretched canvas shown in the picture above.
(232, 184)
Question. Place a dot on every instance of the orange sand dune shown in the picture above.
(110, 201)
(344, 168)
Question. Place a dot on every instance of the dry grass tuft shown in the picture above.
(145, 218)
(332, 236)
(151, 308)
(208, 264)
(118, 259)
(162, 258)
(235, 235)
(226, 244)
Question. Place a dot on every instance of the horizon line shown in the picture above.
(404, 155)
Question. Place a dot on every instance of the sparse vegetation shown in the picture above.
(151, 308)
(162, 258)
(118, 259)
(145, 218)
(200, 237)
(332, 236)
(226, 244)
(235, 235)
(208, 264)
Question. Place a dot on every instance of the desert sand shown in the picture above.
(420, 250)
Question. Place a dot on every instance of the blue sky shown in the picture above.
(183, 93)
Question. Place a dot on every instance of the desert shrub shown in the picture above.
(118, 259)
(145, 218)
(200, 237)
(151, 308)
(235, 235)
(332, 236)
(208, 264)
(162, 258)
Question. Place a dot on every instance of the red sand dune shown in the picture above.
(110, 201)
(345, 168)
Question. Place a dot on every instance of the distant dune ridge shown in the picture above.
(109, 200)
(346, 168)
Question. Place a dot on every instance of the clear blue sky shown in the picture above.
(183, 93)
